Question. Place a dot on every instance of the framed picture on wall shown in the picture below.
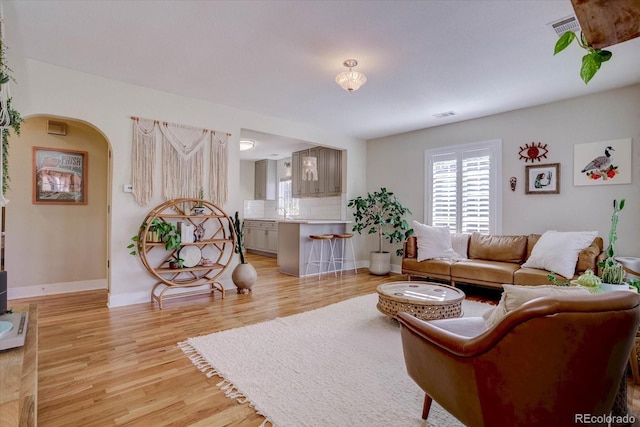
(59, 176)
(542, 179)
(602, 163)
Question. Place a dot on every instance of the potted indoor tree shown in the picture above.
(381, 213)
(612, 270)
(244, 275)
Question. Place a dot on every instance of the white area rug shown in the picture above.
(341, 365)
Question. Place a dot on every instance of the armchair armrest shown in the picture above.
(441, 332)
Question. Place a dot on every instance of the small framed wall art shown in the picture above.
(59, 176)
(602, 163)
(542, 179)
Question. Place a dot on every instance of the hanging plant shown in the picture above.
(591, 62)
(9, 117)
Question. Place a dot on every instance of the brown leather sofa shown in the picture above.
(543, 364)
(493, 261)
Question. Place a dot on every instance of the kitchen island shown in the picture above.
(294, 244)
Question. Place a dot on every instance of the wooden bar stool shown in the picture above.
(318, 260)
(343, 258)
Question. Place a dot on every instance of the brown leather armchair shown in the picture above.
(543, 364)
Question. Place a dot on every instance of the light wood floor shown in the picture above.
(121, 366)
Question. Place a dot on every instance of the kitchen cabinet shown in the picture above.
(329, 163)
(265, 180)
(261, 236)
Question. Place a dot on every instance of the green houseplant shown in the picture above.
(162, 231)
(382, 214)
(591, 62)
(244, 275)
(612, 270)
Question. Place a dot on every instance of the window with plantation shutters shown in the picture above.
(462, 187)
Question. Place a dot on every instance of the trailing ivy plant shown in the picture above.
(591, 62)
(14, 117)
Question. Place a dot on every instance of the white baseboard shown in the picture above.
(55, 288)
(120, 300)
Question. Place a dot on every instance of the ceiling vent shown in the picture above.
(443, 115)
(561, 26)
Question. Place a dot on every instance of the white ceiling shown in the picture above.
(280, 58)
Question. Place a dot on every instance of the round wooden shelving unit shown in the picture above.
(216, 249)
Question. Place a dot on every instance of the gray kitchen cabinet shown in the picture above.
(329, 163)
(261, 236)
(265, 180)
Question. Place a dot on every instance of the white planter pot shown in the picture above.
(379, 263)
(608, 287)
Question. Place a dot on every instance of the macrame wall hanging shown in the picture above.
(218, 185)
(183, 156)
(143, 155)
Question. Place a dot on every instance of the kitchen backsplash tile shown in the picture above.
(311, 208)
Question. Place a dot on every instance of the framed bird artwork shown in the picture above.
(602, 163)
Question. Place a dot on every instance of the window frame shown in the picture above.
(495, 178)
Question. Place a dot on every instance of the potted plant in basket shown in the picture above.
(382, 214)
(243, 275)
(612, 270)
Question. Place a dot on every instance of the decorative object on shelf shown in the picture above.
(612, 270)
(535, 151)
(199, 233)
(59, 176)
(350, 80)
(542, 179)
(244, 275)
(309, 168)
(512, 183)
(198, 209)
(190, 255)
(602, 163)
(176, 263)
(381, 213)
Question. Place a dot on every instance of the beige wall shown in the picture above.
(398, 163)
(56, 244)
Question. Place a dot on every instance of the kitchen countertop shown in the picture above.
(301, 221)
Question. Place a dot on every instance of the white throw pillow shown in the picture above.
(516, 295)
(433, 242)
(558, 251)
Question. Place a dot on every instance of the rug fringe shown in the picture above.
(229, 389)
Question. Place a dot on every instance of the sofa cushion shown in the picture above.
(514, 296)
(558, 251)
(497, 248)
(482, 270)
(433, 242)
(434, 267)
(527, 276)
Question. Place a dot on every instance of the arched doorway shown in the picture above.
(50, 247)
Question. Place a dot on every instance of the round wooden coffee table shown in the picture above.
(424, 300)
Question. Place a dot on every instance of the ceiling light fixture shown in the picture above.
(247, 144)
(350, 80)
(309, 168)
